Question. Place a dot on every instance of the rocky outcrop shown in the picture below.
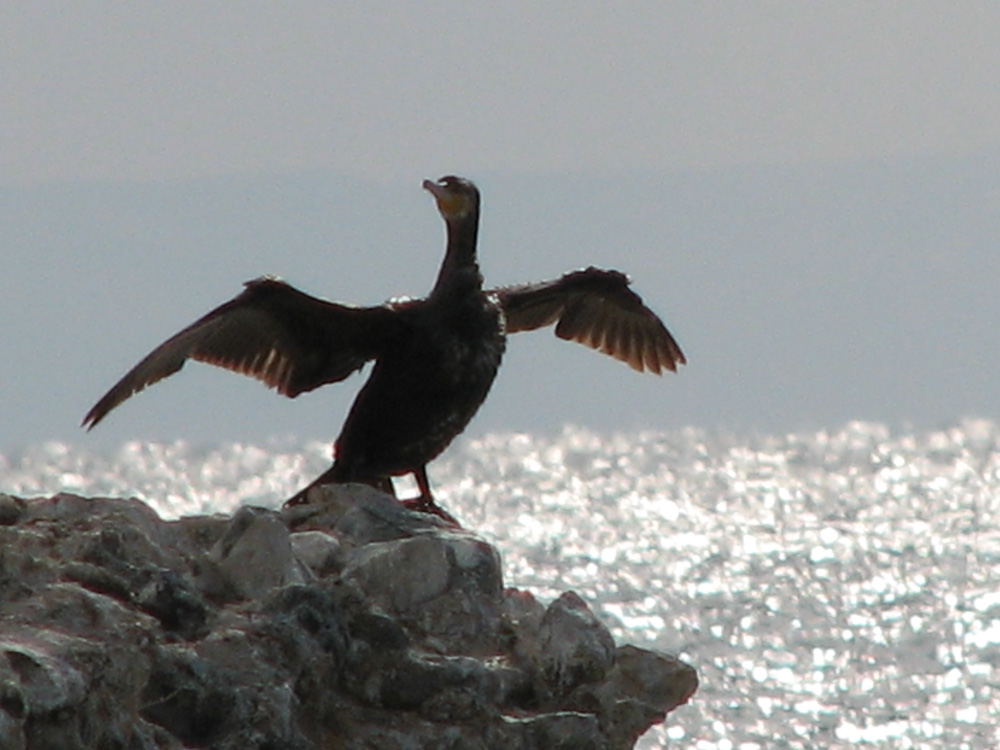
(349, 622)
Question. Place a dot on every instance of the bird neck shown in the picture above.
(460, 268)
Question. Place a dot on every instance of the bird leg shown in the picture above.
(424, 503)
(423, 483)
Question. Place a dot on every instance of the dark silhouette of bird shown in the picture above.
(434, 359)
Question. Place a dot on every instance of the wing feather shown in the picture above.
(596, 308)
(287, 339)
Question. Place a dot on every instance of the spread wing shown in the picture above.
(289, 340)
(596, 308)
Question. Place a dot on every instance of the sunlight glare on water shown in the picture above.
(833, 589)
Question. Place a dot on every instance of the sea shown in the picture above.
(837, 588)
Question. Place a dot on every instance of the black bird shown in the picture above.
(435, 358)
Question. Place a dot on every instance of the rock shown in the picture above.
(445, 587)
(349, 622)
(11, 509)
(319, 551)
(574, 647)
(359, 515)
(255, 553)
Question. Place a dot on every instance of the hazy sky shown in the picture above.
(151, 91)
(805, 191)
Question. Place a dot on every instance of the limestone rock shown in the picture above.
(445, 587)
(255, 553)
(349, 622)
(574, 647)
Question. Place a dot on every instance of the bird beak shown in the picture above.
(434, 189)
(451, 204)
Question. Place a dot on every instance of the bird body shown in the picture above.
(424, 388)
(435, 359)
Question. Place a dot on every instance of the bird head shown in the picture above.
(456, 197)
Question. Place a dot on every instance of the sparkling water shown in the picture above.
(833, 589)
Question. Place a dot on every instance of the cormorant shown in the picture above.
(435, 358)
